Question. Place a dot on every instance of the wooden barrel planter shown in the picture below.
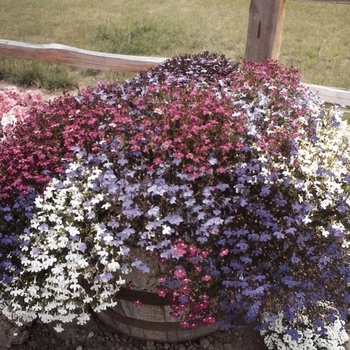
(151, 320)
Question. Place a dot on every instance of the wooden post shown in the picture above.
(264, 29)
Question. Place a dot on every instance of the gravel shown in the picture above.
(96, 336)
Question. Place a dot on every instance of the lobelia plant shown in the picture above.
(233, 175)
(312, 336)
(15, 108)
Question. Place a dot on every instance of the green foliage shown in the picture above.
(315, 35)
(346, 115)
(36, 74)
(145, 37)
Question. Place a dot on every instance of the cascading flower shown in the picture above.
(279, 333)
(233, 175)
(15, 108)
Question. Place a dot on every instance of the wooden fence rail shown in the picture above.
(106, 61)
(332, 95)
(76, 57)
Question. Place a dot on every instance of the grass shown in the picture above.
(346, 115)
(26, 73)
(316, 40)
(316, 36)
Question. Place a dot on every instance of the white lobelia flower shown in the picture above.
(310, 337)
(8, 119)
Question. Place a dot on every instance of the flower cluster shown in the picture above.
(280, 334)
(55, 230)
(15, 108)
(233, 176)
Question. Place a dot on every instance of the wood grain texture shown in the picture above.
(264, 29)
(123, 63)
(76, 57)
(331, 94)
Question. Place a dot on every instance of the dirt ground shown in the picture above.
(96, 336)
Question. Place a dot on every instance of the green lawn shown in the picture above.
(316, 37)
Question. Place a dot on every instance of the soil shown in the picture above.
(96, 336)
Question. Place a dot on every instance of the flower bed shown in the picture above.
(232, 175)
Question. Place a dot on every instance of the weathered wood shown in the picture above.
(331, 94)
(105, 61)
(264, 29)
(76, 57)
(152, 321)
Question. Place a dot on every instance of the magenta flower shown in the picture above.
(179, 273)
(224, 252)
(206, 278)
(137, 303)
